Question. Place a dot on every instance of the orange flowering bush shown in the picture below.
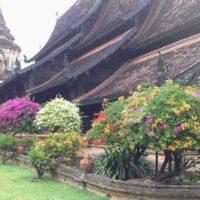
(106, 128)
(124, 153)
(44, 155)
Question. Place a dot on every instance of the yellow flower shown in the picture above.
(177, 143)
(151, 134)
(122, 133)
(197, 127)
(155, 91)
(176, 112)
(74, 136)
(95, 123)
(182, 109)
(190, 90)
(68, 143)
(185, 126)
(136, 103)
(186, 106)
(107, 130)
(188, 145)
(39, 144)
(159, 122)
(52, 144)
(194, 118)
(169, 82)
(83, 141)
(66, 159)
(139, 87)
(167, 116)
(172, 102)
(154, 125)
(121, 99)
(172, 148)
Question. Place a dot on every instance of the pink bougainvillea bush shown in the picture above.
(17, 115)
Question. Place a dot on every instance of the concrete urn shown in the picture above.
(87, 164)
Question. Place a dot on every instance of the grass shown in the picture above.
(16, 183)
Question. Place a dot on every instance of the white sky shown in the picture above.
(31, 21)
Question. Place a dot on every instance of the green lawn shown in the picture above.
(16, 183)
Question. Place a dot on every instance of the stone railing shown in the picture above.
(120, 190)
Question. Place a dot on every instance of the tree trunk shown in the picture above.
(122, 175)
(177, 162)
(167, 160)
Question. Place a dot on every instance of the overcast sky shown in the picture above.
(31, 21)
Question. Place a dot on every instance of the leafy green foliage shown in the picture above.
(118, 164)
(27, 142)
(8, 147)
(40, 161)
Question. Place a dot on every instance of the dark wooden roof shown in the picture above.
(112, 15)
(178, 57)
(85, 62)
(69, 21)
(167, 18)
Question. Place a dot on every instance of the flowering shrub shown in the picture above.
(163, 118)
(168, 117)
(65, 145)
(123, 150)
(45, 154)
(59, 115)
(173, 121)
(18, 114)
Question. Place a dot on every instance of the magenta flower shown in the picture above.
(198, 95)
(178, 129)
(164, 127)
(149, 121)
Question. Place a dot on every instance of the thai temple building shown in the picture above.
(9, 51)
(105, 48)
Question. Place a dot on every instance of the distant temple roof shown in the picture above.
(6, 38)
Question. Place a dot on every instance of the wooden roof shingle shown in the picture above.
(166, 19)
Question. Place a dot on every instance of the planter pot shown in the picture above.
(21, 149)
(87, 164)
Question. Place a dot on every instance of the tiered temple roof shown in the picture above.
(9, 51)
(179, 58)
(6, 38)
(103, 48)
